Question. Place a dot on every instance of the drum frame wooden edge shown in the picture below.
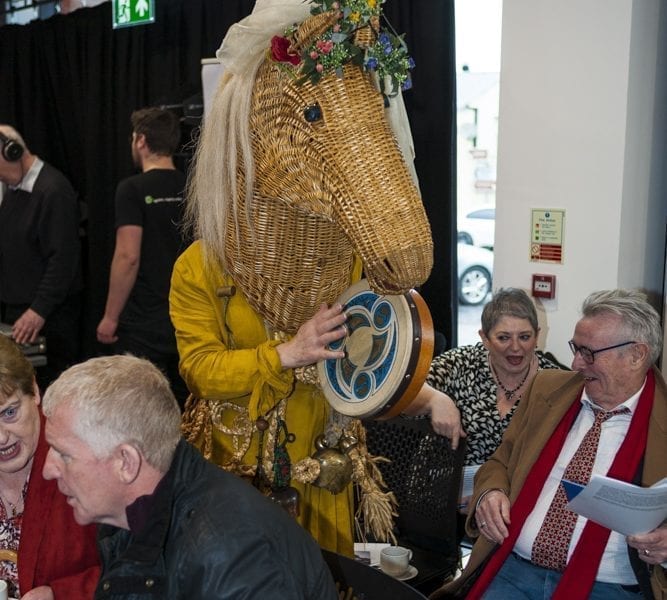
(425, 334)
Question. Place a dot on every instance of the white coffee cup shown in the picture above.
(395, 560)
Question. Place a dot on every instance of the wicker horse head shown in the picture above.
(296, 175)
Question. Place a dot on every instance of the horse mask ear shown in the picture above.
(313, 27)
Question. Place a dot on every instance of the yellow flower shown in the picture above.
(354, 17)
(371, 3)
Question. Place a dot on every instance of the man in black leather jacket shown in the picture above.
(173, 525)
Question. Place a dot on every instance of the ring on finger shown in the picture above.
(482, 525)
(646, 552)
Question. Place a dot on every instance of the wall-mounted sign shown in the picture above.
(546, 235)
(132, 12)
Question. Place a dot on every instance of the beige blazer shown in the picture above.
(548, 399)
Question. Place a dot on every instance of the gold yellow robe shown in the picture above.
(225, 357)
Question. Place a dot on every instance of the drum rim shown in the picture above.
(425, 339)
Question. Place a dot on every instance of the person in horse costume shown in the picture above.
(299, 184)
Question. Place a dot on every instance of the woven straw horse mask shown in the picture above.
(302, 178)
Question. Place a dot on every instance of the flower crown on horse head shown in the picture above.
(353, 36)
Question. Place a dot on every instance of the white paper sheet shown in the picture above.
(468, 480)
(623, 507)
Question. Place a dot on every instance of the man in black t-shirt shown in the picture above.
(149, 210)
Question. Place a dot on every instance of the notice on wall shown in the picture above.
(546, 235)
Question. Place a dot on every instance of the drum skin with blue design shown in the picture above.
(388, 351)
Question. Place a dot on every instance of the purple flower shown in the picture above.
(372, 63)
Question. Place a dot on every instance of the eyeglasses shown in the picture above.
(589, 355)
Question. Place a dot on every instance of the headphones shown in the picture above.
(11, 150)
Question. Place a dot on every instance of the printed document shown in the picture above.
(621, 506)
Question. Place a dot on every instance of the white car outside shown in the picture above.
(475, 273)
(478, 227)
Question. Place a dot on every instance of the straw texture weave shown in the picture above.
(324, 191)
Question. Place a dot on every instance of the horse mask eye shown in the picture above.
(312, 113)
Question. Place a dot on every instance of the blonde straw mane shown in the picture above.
(213, 187)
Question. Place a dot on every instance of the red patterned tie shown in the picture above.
(553, 540)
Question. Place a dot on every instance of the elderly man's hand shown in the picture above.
(652, 546)
(43, 592)
(309, 345)
(493, 516)
(27, 327)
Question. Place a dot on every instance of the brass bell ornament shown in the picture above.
(335, 463)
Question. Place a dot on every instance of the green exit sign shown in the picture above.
(133, 12)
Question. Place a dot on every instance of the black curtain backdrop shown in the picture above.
(70, 83)
(428, 26)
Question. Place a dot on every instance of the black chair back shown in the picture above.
(425, 475)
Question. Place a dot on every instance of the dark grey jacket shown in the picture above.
(210, 535)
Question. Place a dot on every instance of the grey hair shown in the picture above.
(119, 399)
(508, 302)
(640, 319)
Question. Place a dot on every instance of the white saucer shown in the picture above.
(409, 574)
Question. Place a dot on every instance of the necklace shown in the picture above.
(13, 506)
(16, 508)
(509, 394)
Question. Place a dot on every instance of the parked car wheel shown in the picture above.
(464, 238)
(474, 285)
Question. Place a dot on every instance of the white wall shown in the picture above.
(581, 128)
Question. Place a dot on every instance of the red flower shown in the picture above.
(280, 51)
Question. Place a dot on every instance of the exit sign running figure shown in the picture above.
(133, 12)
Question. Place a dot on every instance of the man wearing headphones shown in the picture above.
(40, 270)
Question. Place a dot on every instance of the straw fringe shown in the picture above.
(377, 508)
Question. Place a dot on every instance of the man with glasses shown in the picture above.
(608, 417)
